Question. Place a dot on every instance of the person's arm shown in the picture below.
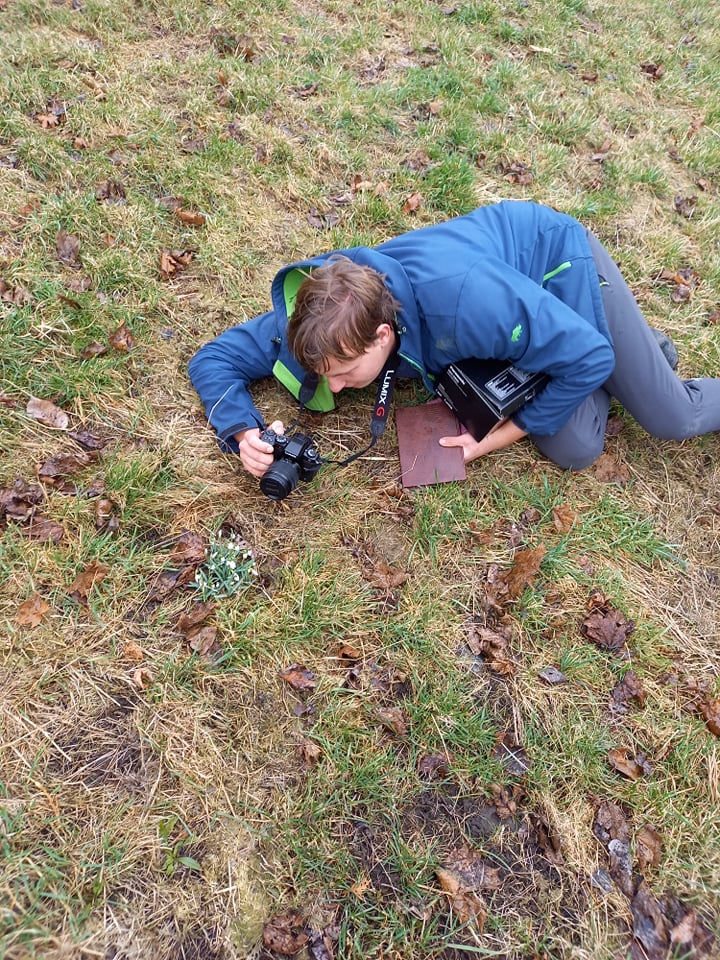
(223, 369)
(503, 314)
(502, 435)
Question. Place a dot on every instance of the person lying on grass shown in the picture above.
(513, 281)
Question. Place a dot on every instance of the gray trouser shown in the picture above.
(643, 382)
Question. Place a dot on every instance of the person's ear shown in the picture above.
(384, 334)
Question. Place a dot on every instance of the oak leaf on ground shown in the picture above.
(32, 612)
(607, 627)
(522, 573)
(84, 582)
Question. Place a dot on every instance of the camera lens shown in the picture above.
(280, 479)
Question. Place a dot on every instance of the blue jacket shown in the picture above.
(513, 280)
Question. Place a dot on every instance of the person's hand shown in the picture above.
(256, 454)
(502, 435)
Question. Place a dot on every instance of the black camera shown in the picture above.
(296, 458)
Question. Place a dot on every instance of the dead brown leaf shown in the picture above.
(298, 677)
(394, 719)
(563, 517)
(86, 580)
(649, 926)
(121, 338)
(189, 548)
(710, 709)
(286, 934)
(19, 501)
(526, 565)
(201, 637)
(552, 675)
(517, 172)
(42, 529)
(111, 191)
(32, 611)
(384, 576)
(168, 581)
(493, 645)
(87, 440)
(17, 296)
(44, 411)
(142, 678)
(48, 120)
(654, 70)
(67, 247)
(198, 613)
(630, 765)
(611, 823)
(685, 206)
(305, 91)
(608, 470)
(361, 886)
(434, 766)
(607, 627)
(106, 517)
(465, 904)
(173, 262)
(322, 221)
(512, 754)
(628, 689)
(472, 871)
(190, 218)
(203, 640)
(413, 203)
(133, 651)
(348, 654)
(309, 752)
(648, 847)
(228, 44)
(93, 349)
(506, 799)
(59, 467)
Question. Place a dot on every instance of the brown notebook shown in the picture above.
(422, 460)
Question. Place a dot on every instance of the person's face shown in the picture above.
(359, 371)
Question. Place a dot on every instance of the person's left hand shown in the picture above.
(502, 435)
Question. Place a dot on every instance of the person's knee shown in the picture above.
(576, 456)
(674, 425)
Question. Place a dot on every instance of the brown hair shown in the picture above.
(338, 309)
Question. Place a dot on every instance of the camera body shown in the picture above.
(295, 458)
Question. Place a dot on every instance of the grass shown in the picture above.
(161, 801)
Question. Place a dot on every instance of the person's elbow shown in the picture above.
(600, 364)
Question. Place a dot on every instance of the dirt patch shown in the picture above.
(105, 750)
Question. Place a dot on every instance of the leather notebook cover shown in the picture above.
(422, 460)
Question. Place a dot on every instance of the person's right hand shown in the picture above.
(256, 455)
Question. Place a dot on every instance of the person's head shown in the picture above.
(343, 323)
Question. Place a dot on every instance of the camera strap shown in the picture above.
(381, 409)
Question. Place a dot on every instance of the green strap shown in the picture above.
(291, 284)
(323, 399)
(556, 271)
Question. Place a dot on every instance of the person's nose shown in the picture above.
(335, 384)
